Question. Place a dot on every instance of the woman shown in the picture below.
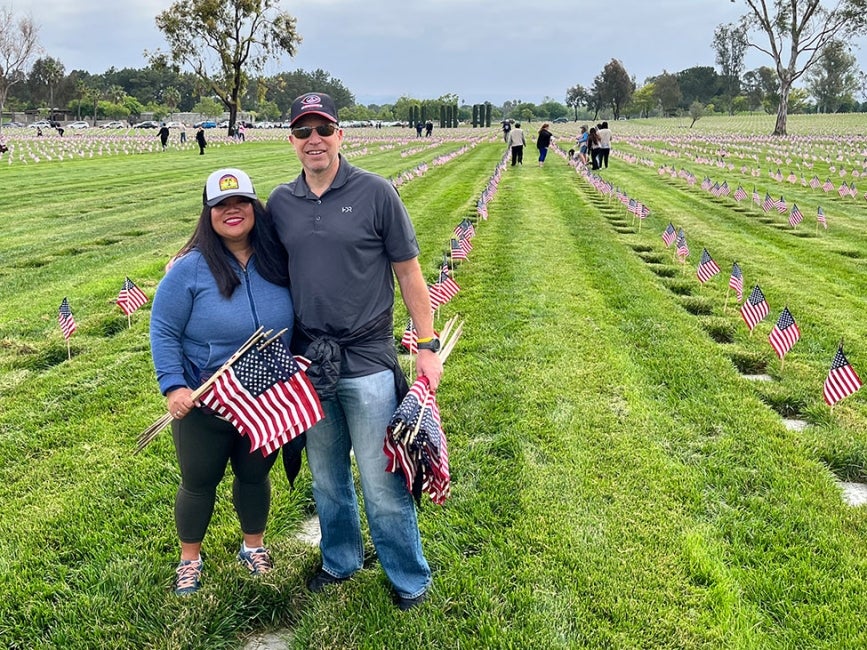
(593, 142)
(227, 280)
(583, 139)
(543, 141)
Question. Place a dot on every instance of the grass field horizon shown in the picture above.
(617, 482)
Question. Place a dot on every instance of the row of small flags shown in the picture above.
(842, 379)
(129, 299)
(460, 245)
(767, 204)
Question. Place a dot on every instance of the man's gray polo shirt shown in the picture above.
(341, 247)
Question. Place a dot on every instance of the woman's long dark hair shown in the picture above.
(271, 258)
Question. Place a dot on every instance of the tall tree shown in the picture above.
(576, 97)
(802, 28)
(241, 35)
(730, 46)
(667, 92)
(45, 74)
(763, 88)
(834, 78)
(19, 43)
(644, 99)
(614, 87)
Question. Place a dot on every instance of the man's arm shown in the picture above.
(413, 288)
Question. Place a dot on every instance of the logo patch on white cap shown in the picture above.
(229, 182)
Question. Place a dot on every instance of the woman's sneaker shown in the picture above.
(257, 560)
(188, 577)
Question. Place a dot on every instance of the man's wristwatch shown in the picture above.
(432, 344)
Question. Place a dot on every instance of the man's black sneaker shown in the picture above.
(404, 604)
(322, 579)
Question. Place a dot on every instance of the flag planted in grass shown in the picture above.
(755, 308)
(736, 281)
(785, 333)
(669, 235)
(796, 216)
(682, 248)
(707, 268)
(66, 320)
(842, 379)
(130, 297)
(820, 217)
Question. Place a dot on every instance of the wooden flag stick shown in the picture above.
(726, 303)
(417, 426)
(147, 436)
(129, 320)
(68, 350)
(447, 349)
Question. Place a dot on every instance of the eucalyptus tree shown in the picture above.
(225, 43)
(793, 33)
(614, 87)
(19, 44)
(834, 79)
(730, 46)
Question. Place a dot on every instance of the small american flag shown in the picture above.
(740, 194)
(755, 308)
(409, 340)
(768, 203)
(267, 396)
(682, 248)
(65, 319)
(756, 198)
(782, 208)
(130, 297)
(669, 235)
(736, 281)
(447, 284)
(785, 333)
(844, 190)
(842, 380)
(815, 183)
(707, 268)
(820, 217)
(796, 216)
(827, 186)
(724, 189)
(458, 253)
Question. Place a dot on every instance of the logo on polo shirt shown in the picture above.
(346, 208)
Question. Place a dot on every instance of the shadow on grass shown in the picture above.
(697, 306)
(719, 329)
(749, 362)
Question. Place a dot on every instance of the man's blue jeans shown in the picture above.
(356, 418)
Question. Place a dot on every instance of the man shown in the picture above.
(348, 235)
(604, 144)
(164, 135)
(516, 141)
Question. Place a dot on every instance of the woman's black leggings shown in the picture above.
(205, 444)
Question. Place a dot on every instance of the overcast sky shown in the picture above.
(482, 50)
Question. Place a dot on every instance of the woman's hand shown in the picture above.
(179, 403)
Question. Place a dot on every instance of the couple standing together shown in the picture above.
(341, 235)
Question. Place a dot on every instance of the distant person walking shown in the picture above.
(428, 128)
(200, 139)
(164, 135)
(418, 127)
(507, 126)
(543, 141)
(604, 144)
(516, 142)
(183, 133)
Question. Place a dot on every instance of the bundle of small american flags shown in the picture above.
(415, 443)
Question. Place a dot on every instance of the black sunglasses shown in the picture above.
(304, 132)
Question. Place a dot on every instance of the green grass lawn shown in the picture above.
(616, 482)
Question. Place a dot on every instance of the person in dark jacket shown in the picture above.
(543, 141)
(164, 135)
(200, 139)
